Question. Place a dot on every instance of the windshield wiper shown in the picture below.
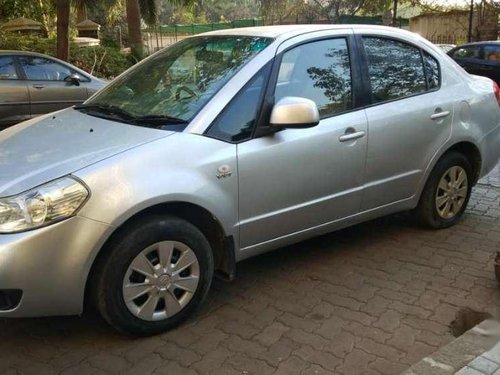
(116, 113)
(107, 110)
(160, 120)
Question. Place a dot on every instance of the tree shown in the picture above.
(334, 9)
(147, 10)
(63, 10)
(134, 28)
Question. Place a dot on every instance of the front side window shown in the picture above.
(175, 83)
(395, 69)
(319, 71)
(469, 52)
(42, 69)
(7, 68)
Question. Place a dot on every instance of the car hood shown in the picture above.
(54, 145)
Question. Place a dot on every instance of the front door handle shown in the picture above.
(440, 115)
(351, 135)
(38, 86)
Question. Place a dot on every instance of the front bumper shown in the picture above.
(50, 266)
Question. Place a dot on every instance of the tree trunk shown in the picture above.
(63, 8)
(395, 14)
(134, 28)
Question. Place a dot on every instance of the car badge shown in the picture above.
(224, 171)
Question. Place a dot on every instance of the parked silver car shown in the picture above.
(227, 145)
(32, 84)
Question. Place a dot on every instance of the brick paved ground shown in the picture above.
(370, 299)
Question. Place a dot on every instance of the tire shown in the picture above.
(429, 212)
(137, 248)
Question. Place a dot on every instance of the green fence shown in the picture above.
(165, 35)
(197, 28)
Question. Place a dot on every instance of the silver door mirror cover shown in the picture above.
(294, 112)
(73, 78)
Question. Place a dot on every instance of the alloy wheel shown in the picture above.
(451, 192)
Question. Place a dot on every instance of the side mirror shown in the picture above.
(73, 78)
(294, 112)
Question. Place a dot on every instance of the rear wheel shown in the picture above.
(153, 276)
(446, 192)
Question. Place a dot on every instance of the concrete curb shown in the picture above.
(473, 353)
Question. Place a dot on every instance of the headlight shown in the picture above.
(46, 204)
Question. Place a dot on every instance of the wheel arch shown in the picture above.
(466, 147)
(472, 153)
(223, 246)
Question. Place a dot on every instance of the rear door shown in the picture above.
(47, 86)
(14, 97)
(409, 118)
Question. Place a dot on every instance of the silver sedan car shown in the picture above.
(32, 84)
(227, 145)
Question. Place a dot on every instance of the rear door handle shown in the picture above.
(38, 86)
(351, 136)
(440, 115)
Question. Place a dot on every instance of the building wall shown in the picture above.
(452, 27)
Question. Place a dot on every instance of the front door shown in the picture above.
(298, 179)
(47, 86)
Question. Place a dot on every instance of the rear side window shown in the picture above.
(395, 69)
(431, 71)
(7, 68)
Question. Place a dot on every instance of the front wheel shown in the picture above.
(153, 276)
(446, 192)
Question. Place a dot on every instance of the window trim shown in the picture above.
(366, 75)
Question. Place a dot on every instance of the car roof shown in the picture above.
(495, 42)
(293, 30)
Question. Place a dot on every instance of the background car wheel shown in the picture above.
(446, 192)
(153, 275)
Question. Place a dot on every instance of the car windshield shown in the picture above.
(170, 87)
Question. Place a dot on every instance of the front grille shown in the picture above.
(10, 298)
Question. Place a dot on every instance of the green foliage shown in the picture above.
(101, 61)
(104, 62)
